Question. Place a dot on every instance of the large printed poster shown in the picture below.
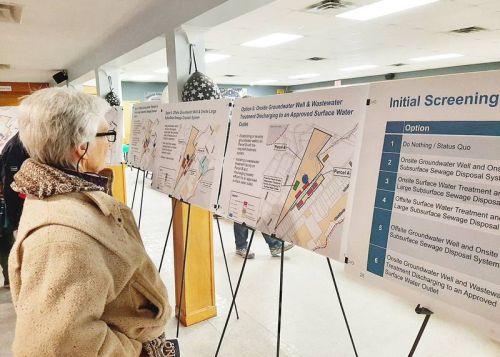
(114, 117)
(8, 124)
(288, 165)
(143, 136)
(426, 213)
(192, 138)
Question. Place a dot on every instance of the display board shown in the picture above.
(288, 165)
(143, 135)
(192, 139)
(426, 211)
(8, 124)
(114, 117)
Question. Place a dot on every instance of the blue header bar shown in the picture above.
(482, 128)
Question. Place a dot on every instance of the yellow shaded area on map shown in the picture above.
(310, 165)
(302, 235)
(188, 156)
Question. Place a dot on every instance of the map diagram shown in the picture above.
(191, 143)
(194, 173)
(114, 117)
(305, 185)
(144, 135)
(147, 146)
(8, 124)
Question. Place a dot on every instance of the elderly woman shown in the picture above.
(81, 281)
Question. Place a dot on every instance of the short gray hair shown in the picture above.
(54, 121)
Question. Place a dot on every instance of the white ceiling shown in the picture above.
(53, 34)
(344, 43)
(60, 32)
(144, 69)
(384, 41)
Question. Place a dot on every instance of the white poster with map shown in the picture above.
(425, 218)
(288, 165)
(114, 117)
(8, 124)
(143, 135)
(192, 139)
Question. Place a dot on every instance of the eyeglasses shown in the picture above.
(110, 135)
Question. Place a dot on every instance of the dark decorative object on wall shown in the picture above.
(111, 97)
(198, 85)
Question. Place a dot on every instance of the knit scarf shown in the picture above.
(44, 181)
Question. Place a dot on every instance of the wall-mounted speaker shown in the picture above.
(60, 76)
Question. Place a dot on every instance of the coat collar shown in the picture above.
(44, 181)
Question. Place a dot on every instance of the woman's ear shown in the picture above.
(79, 151)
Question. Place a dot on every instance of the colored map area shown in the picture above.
(313, 166)
(197, 161)
(8, 124)
(187, 158)
(310, 167)
(147, 148)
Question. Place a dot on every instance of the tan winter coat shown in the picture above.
(81, 281)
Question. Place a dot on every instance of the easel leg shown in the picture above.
(183, 272)
(142, 197)
(342, 307)
(227, 269)
(281, 297)
(421, 311)
(168, 235)
(235, 294)
(135, 189)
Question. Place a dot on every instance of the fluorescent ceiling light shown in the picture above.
(304, 76)
(214, 57)
(141, 78)
(272, 40)
(162, 70)
(358, 68)
(436, 57)
(382, 8)
(263, 81)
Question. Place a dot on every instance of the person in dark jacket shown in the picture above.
(12, 157)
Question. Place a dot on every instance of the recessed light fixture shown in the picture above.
(382, 8)
(436, 57)
(162, 70)
(358, 68)
(272, 40)
(141, 78)
(469, 29)
(304, 76)
(263, 82)
(214, 57)
(316, 59)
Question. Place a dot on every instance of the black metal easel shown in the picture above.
(168, 234)
(233, 303)
(236, 291)
(144, 173)
(280, 298)
(341, 306)
(420, 311)
(135, 187)
(227, 268)
(185, 255)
